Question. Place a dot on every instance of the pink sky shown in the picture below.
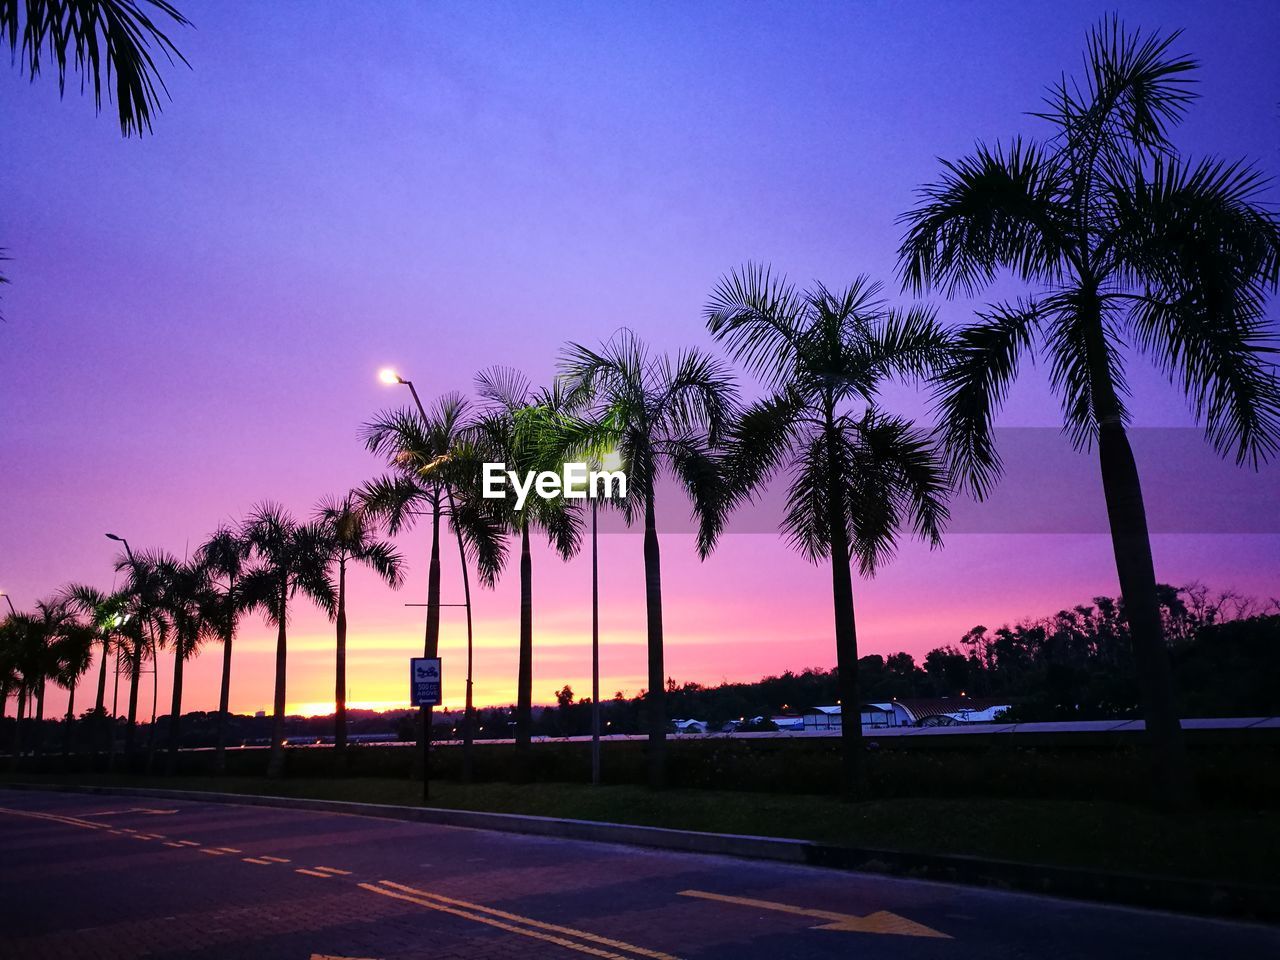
(196, 319)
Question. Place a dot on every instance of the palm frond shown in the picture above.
(101, 40)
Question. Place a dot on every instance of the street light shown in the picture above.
(10, 600)
(391, 378)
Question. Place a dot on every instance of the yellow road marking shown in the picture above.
(56, 818)
(211, 852)
(188, 843)
(277, 859)
(517, 918)
(143, 836)
(172, 843)
(510, 928)
(260, 862)
(882, 921)
(128, 830)
(312, 873)
(325, 956)
(229, 850)
(335, 870)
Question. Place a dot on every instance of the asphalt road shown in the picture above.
(108, 878)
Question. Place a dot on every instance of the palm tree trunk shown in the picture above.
(524, 672)
(431, 644)
(131, 731)
(468, 710)
(155, 696)
(656, 700)
(275, 764)
(851, 748)
(175, 711)
(340, 680)
(1131, 543)
(70, 722)
(224, 698)
(37, 744)
(224, 701)
(99, 707)
(16, 749)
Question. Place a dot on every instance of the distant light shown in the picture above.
(389, 376)
(612, 460)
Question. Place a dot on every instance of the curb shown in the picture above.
(1206, 898)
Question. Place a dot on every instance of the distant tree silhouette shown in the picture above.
(1126, 243)
(858, 475)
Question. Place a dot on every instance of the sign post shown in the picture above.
(425, 686)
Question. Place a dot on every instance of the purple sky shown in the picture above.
(196, 318)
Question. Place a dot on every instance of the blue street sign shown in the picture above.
(425, 681)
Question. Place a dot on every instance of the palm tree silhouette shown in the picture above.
(107, 613)
(667, 416)
(857, 475)
(72, 654)
(225, 556)
(147, 630)
(514, 431)
(437, 469)
(350, 538)
(291, 558)
(1124, 242)
(194, 614)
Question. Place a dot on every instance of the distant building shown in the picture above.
(690, 726)
(924, 712)
(788, 723)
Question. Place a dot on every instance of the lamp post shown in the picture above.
(137, 668)
(390, 377)
(9, 599)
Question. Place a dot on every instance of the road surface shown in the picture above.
(112, 878)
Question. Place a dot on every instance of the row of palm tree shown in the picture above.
(1118, 241)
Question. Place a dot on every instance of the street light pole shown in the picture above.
(595, 652)
(134, 680)
(9, 599)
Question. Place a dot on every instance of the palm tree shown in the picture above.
(350, 538)
(669, 417)
(291, 558)
(19, 664)
(106, 41)
(436, 469)
(857, 475)
(144, 586)
(107, 613)
(225, 556)
(52, 621)
(513, 430)
(194, 613)
(73, 654)
(1122, 242)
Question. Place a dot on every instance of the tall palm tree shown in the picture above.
(1121, 241)
(19, 658)
(857, 474)
(351, 538)
(53, 619)
(194, 614)
(225, 556)
(73, 654)
(513, 431)
(147, 629)
(106, 41)
(107, 613)
(291, 558)
(436, 471)
(669, 416)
